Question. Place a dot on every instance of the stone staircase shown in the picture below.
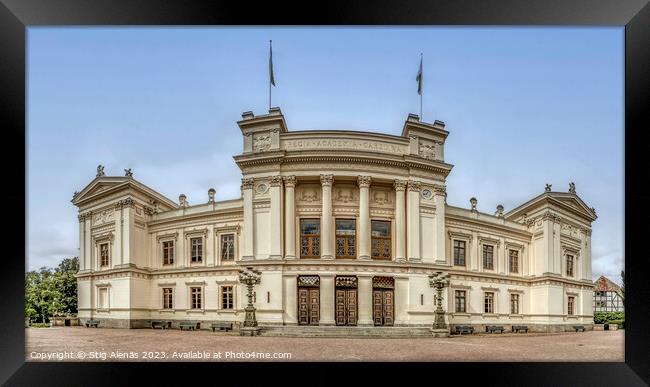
(340, 331)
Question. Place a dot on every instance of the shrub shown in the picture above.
(620, 323)
(39, 325)
(605, 317)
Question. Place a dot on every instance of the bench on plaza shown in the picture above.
(161, 324)
(464, 329)
(494, 328)
(92, 323)
(221, 325)
(188, 325)
(519, 328)
(579, 328)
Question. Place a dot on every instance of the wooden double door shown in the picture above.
(308, 306)
(346, 306)
(383, 306)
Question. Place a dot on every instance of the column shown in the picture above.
(290, 300)
(400, 225)
(441, 203)
(586, 256)
(276, 218)
(365, 300)
(290, 217)
(474, 252)
(413, 227)
(116, 250)
(128, 229)
(327, 223)
(364, 217)
(82, 242)
(88, 248)
(248, 231)
(327, 299)
(401, 300)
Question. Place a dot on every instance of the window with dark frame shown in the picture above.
(168, 298)
(196, 246)
(514, 304)
(346, 238)
(569, 265)
(459, 253)
(228, 247)
(103, 253)
(488, 257)
(513, 261)
(380, 233)
(196, 294)
(489, 302)
(570, 305)
(460, 301)
(227, 300)
(309, 238)
(168, 252)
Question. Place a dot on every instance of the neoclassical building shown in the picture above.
(346, 228)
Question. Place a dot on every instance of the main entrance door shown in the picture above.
(346, 300)
(308, 300)
(383, 307)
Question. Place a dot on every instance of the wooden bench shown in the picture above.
(464, 329)
(519, 328)
(579, 328)
(494, 328)
(161, 324)
(92, 323)
(186, 324)
(221, 325)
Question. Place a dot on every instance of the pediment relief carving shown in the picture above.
(381, 198)
(345, 194)
(103, 217)
(309, 194)
(427, 150)
(261, 142)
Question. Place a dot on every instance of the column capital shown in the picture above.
(414, 186)
(247, 183)
(326, 179)
(440, 189)
(363, 181)
(275, 181)
(290, 181)
(400, 185)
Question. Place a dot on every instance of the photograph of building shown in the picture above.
(345, 228)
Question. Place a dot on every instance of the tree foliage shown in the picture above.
(51, 292)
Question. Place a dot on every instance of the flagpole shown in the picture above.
(422, 91)
(270, 51)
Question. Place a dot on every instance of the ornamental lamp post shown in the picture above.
(250, 277)
(439, 281)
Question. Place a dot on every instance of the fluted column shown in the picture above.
(364, 216)
(327, 223)
(276, 217)
(440, 201)
(290, 217)
(413, 230)
(248, 232)
(82, 243)
(400, 224)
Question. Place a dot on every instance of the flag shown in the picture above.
(272, 78)
(419, 77)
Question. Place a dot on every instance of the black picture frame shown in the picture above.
(17, 15)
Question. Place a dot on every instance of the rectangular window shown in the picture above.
(489, 302)
(380, 239)
(103, 254)
(513, 261)
(570, 304)
(196, 300)
(228, 247)
(346, 238)
(459, 253)
(514, 304)
(168, 298)
(309, 238)
(569, 265)
(460, 301)
(227, 297)
(488, 257)
(103, 298)
(168, 252)
(196, 246)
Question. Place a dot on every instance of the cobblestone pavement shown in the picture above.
(97, 344)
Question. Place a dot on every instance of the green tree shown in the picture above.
(51, 292)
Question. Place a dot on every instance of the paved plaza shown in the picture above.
(105, 344)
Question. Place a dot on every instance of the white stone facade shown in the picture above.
(317, 206)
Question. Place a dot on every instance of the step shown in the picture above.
(334, 331)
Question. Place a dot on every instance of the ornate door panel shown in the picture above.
(377, 307)
(388, 309)
(351, 296)
(383, 307)
(346, 306)
(340, 307)
(314, 306)
(303, 306)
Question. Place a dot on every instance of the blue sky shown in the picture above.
(524, 106)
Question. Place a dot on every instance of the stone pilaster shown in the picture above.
(327, 299)
(248, 251)
(400, 223)
(364, 217)
(365, 300)
(327, 221)
(290, 217)
(276, 217)
(413, 227)
(290, 316)
(440, 201)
